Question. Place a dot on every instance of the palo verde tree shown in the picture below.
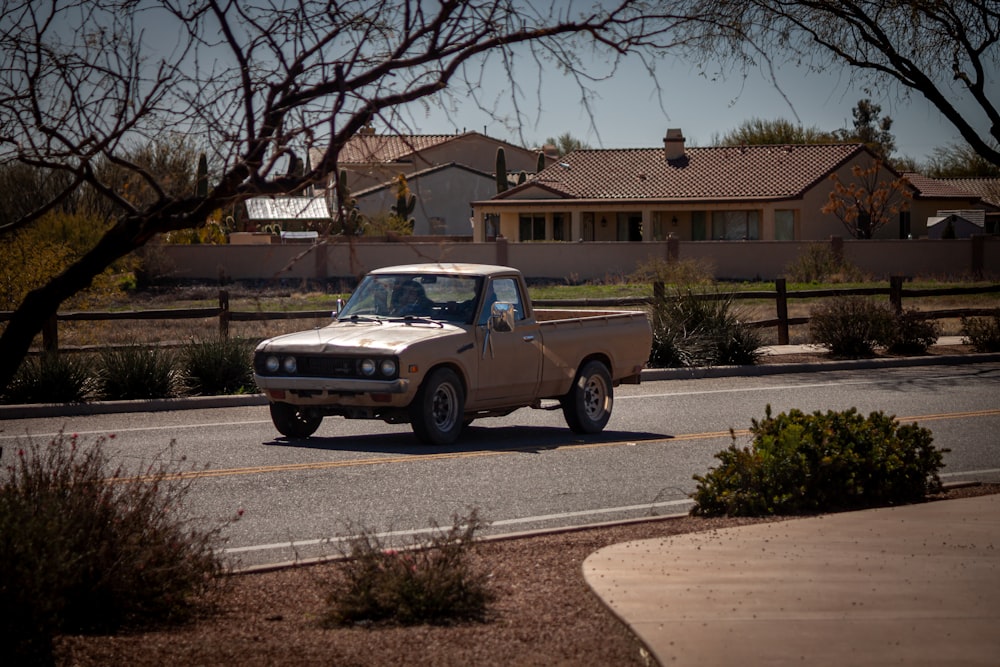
(251, 83)
(947, 52)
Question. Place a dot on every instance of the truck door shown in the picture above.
(509, 361)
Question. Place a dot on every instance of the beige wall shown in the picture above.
(742, 260)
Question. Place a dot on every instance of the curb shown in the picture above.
(49, 410)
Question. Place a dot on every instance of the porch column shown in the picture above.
(575, 225)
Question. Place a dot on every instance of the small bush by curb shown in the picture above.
(798, 463)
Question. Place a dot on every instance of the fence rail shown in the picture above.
(780, 295)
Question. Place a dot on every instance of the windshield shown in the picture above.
(436, 297)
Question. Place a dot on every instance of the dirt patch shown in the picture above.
(545, 614)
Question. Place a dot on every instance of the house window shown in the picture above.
(784, 225)
(904, 224)
(735, 225)
(531, 227)
(698, 231)
(588, 227)
(559, 230)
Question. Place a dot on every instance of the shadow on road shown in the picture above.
(528, 439)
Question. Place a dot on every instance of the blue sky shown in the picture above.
(627, 113)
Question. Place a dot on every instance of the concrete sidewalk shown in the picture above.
(912, 585)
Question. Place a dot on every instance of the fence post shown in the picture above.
(896, 293)
(673, 250)
(223, 314)
(782, 307)
(50, 334)
(658, 292)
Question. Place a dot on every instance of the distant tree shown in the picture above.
(947, 52)
(566, 143)
(871, 129)
(501, 171)
(960, 160)
(760, 132)
(868, 202)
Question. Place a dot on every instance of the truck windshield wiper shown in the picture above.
(364, 318)
(416, 319)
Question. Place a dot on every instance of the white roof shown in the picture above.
(288, 208)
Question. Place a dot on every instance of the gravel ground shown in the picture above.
(544, 614)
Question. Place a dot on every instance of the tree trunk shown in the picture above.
(42, 303)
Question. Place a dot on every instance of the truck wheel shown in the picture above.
(436, 411)
(587, 406)
(293, 422)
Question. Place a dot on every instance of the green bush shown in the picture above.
(912, 334)
(852, 326)
(87, 549)
(982, 333)
(433, 581)
(683, 272)
(691, 330)
(51, 378)
(819, 264)
(798, 463)
(136, 372)
(218, 366)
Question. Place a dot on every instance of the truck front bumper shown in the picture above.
(318, 391)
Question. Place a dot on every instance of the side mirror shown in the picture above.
(340, 308)
(502, 316)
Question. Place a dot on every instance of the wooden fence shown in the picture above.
(896, 291)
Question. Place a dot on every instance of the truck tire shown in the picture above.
(587, 406)
(437, 410)
(294, 422)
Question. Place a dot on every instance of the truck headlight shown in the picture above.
(290, 365)
(367, 367)
(272, 364)
(387, 367)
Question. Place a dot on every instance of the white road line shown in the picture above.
(502, 522)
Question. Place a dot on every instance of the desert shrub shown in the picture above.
(819, 264)
(218, 366)
(432, 581)
(135, 372)
(86, 549)
(683, 272)
(690, 330)
(982, 333)
(51, 378)
(799, 463)
(852, 326)
(912, 334)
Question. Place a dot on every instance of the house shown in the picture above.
(443, 193)
(988, 191)
(716, 193)
(935, 200)
(372, 163)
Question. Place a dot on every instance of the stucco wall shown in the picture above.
(742, 260)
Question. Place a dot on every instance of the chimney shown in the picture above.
(673, 144)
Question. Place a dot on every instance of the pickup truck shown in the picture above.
(440, 345)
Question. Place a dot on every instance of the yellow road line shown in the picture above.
(443, 456)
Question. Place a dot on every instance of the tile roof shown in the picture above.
(381, 148)
(936, 188)
(987, 189)
(726, 172)
(287, 208)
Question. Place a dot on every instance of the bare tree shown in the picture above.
(255, 84)
(945, 51)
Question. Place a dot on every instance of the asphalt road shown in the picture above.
(523, 472)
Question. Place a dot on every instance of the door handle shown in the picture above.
(528, 338)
